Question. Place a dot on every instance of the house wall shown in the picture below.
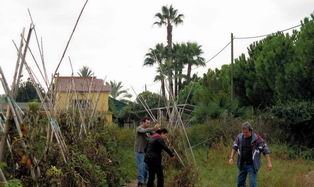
(65, 100)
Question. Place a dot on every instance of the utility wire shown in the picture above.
(218, 53)
(214, 56)
(264, 35)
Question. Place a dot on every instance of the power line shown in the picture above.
(218, 53)
(264, 35)
(214, 56)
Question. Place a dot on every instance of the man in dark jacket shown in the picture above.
(249, 147)
(153, 157)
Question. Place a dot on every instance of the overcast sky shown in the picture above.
(114, 35)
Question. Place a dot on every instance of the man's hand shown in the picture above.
(269, 166)
(231, 157)
(230, 161)
(157, 126)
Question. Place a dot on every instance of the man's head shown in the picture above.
(247, 129)
(162, 132)
(145, 122)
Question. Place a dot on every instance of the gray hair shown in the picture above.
(247, 125)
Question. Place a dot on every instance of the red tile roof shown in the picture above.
(80, 84)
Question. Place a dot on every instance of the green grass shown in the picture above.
(214, 170)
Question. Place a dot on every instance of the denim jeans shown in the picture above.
(244, 170)
(142, 172)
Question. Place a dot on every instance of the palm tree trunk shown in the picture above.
(169, 42)
(188, 75)
(169, 35)
(175, 82)
(163, 90)
(170, 85)
(180, 81)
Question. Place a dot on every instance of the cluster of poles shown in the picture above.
(15, 116)
(174, 112)
(47, 101)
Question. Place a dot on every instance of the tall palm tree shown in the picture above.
(85, 72)
(194, 58)
(169, 17)
(118, 91)
(178, 51)
(157, 56)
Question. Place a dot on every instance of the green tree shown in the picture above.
(301, 73)
(27, 92)
(85, 72)
(169, 17)
(152, 100)
(178, 65)
(117, 91)
(157, 56)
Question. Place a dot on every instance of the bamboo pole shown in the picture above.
(40, 48)
(16, 120)
(54, 126)
(6, 127)
(3, 180)
(36, 63)
(96, 104)
(23, 56)
(147, 109)
(19, 54)
(69, 40)
(82, 126)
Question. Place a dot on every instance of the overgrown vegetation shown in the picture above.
(212, 142)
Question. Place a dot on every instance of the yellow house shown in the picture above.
(89, 94)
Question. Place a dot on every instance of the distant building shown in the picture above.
(86, 93)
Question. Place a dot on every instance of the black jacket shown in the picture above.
(154, 149)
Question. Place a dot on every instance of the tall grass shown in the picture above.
(212, 160)
(215, 171)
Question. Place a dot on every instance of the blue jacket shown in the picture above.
(258, 146)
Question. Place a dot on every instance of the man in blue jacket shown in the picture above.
(249, 147)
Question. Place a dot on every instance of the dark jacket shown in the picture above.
(154, 149)
(258, 146)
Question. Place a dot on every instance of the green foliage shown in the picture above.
(278, 68)
(211, 97)
(290, 165)
(14, 183)
(33, 107)
(95, 160)
(85, 72)
(215, 170)
(2, 165)
(27, 92)
(182, 55)
(117, 91)
(151, 99)
(296, 119)
(53, 171)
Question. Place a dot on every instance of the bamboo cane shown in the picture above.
(19, 54)
(82, 126)
(40, 48)
(23, 56)
(3, 180)
(147, 109)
